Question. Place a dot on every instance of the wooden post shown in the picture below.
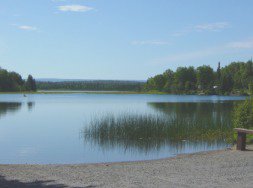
(241, 141)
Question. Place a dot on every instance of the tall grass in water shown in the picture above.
(150, 131)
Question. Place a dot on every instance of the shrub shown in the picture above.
(243, 114)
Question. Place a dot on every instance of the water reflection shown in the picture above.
(178, 126)
(30, 105)
(203, 111)
(9, 107)
(13, 107)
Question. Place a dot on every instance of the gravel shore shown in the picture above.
(226, 168)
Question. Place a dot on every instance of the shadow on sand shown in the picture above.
(37, 184)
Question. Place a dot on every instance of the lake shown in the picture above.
(92, 128)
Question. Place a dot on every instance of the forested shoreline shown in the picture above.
(13, 82)
(233, 79)
(93, 85)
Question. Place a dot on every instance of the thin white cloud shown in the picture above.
(187, 56)
(217, 26)
(211, 27)
(149, 42)
(179, 33)
(247, 44)
(74, 8)
(27, 28)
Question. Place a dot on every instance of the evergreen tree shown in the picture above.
(205, 78)
(218, 74)
(10, 81)
(31, 84)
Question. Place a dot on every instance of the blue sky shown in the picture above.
(121, 39)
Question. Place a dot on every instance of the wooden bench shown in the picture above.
(241, 138)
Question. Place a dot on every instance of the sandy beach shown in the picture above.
(225, 168)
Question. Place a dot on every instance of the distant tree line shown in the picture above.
(92, 85)
(13, 82)
(235, 78)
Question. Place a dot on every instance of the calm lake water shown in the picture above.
(91, 128)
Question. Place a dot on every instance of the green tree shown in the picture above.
(243, 114)
(251, 88)
(31, 84)
(226, 81)
(156, 83)
(205, 78)
(10, 81)
(185, 79)
(159, 82)
(236, 77)
(218, 74)
(169, 79)
(218, 79)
